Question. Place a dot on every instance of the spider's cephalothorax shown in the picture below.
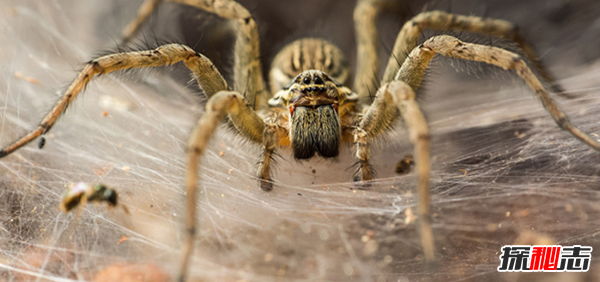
(313, 100)
(307, 108)
(306, 77)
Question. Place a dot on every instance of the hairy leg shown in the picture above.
(413, 68)
(398, 97)
(367, 56)
(208, 77)
(365, 171)
(380, 117)
(410, 32)
(220, 105)
(248, 77)
(264, 164)
(136, 24)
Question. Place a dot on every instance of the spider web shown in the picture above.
(503, 173)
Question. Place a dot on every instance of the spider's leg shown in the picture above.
(365, 170)
(205, 72)
(367, 56)
(379, 117)
(413, 68)
(394, 97)
(222, 104)
(410, 32)
(143, 14)
(247, 69)
(264, 164)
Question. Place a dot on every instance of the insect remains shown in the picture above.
(78, 195)
(405, 164)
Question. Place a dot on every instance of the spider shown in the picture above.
(307, 105)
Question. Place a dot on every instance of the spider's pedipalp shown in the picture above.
(365, 170)
(264, 164)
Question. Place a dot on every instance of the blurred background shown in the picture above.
(503, 172)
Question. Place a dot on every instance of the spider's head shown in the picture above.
(311, 88)
(313, 99)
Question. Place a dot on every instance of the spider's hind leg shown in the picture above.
(248, 76)
(413, 68)
(411, 31)
(365, 17)
(136, 24)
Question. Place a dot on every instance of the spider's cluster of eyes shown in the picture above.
(318, 88)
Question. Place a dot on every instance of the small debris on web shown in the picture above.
(42, 143)
(29, 79)
(129, 272)
(405, 164)
(114, 103)
(79, 194)
(123, 239)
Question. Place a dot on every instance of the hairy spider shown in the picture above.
(308, 107)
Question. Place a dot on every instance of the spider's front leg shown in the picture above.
(220, 104)
(248, 123)
(208, 77)
(391, 99)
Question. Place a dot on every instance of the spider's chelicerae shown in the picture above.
(308, 105)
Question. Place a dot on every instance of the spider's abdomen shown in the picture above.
(307, 54)
(315, 130)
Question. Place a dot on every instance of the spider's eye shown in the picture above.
(306, 80)
(318, 80)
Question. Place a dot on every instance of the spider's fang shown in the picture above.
(292, 108)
